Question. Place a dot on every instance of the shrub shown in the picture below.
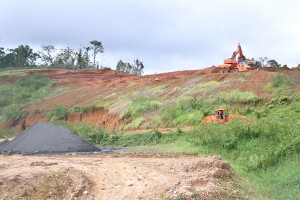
(12, 112)
(59, 113)
(24, 91)
(34, 82)
(280, 80)
(4, 101)
(207, 85)
(90, 108)
(134, 124)
(186, 111)
(141, 106)
(237, 97)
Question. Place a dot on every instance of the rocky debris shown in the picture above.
(42, 163)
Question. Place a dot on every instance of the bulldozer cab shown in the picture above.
(221, 114)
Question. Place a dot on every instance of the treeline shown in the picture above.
(49, 56)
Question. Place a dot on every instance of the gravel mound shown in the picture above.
(44, 138)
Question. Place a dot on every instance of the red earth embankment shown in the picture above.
(117, 90)
(100, 118)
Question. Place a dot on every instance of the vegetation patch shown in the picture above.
(207, 85)
(237, 97)
(11, 72)
(24, 91)
(140, 107)
(12, 112)
(83, 109)
(280, 80)
(134, 124)
(59, 113)
(185, 111)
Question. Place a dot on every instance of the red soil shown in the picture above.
(95, 85)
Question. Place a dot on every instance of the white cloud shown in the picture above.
(167, 35)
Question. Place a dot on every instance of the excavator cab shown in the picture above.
(221, 115)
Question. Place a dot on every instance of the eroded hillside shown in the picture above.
(110, 99)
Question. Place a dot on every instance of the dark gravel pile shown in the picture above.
(3, 143)
(48, 138)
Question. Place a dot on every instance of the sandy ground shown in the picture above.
(113, 176)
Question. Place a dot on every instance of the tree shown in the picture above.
(136, 68)
(66, 58)
(22, 56)
(263, 61)
(87, 55)
(2, 55)
(124, 67)
(32, 59)
(9, 59)
(47, 54)
(273, 63)
(97, 47)
(81, 64)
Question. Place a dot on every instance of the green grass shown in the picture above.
(140, 107)
(25, 91)
(58, 113)
(207, 85)
(12, 72)
(237, 97)
(83, 109)
(280, 80)
(12, 112)
(134, 124)
(186, 111)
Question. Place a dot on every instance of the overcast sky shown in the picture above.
(167, 35)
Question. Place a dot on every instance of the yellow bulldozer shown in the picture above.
(221, 116)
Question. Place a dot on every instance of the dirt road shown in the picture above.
(113, 176)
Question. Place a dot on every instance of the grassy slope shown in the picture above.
(264, 151)
(25, 91)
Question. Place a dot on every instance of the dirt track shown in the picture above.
(112, 177)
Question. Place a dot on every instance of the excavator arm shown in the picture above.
(240, 52)
(234, 54)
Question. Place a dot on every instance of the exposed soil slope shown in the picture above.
(115, 90)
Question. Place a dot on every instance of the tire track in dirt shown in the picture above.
(126, 176)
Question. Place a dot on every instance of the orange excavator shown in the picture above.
(239, 65)
(221, 116)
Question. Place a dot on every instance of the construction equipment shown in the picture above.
(239, 65)
(221, 116)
